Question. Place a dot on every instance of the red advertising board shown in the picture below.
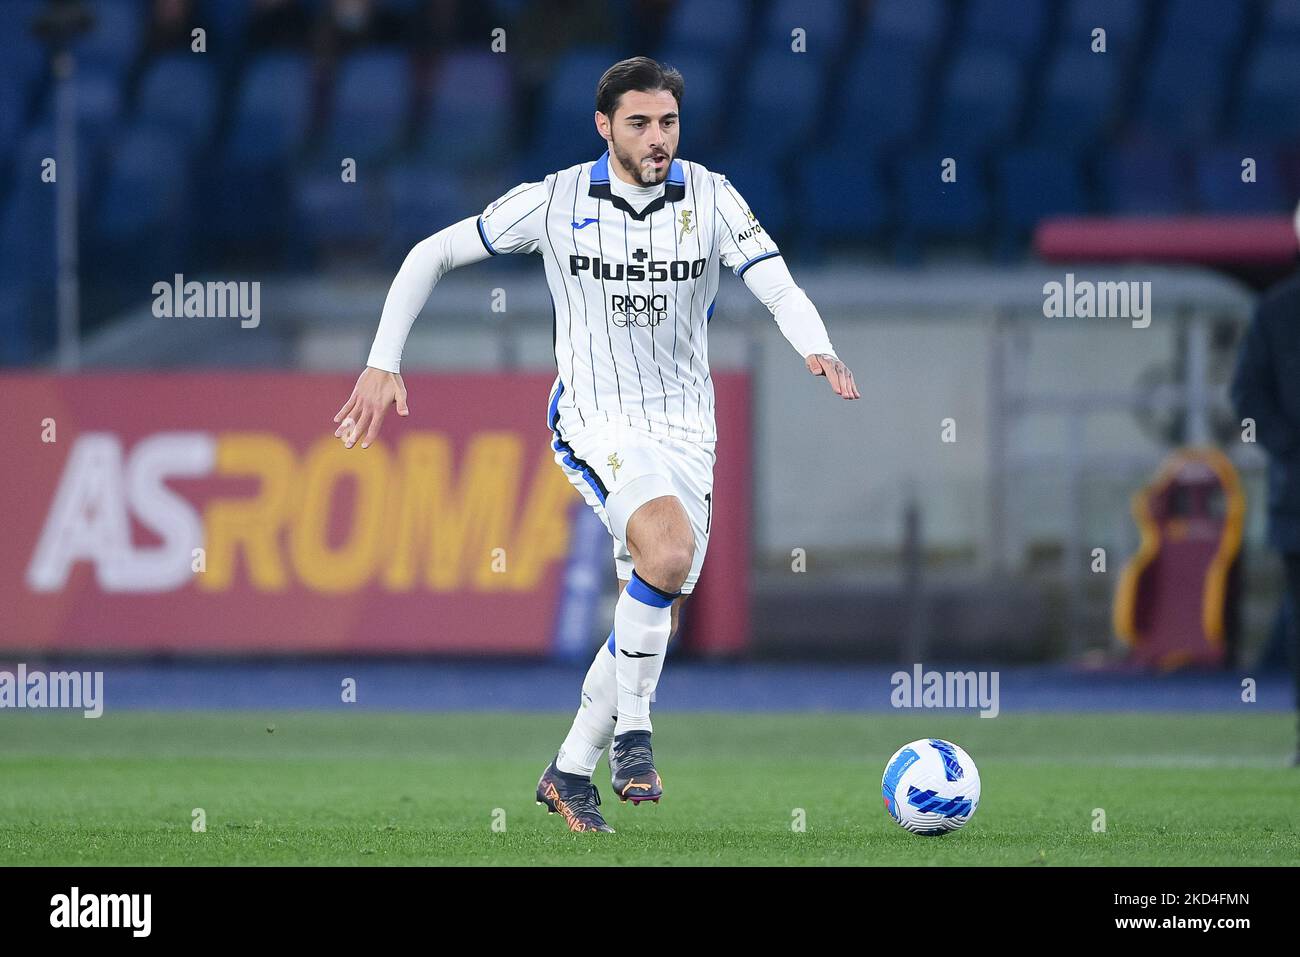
(216, 513)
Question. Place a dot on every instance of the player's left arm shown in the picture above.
(800, 323)
(751, 253)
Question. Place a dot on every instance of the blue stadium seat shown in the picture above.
(1015, 28)
(842, 196)
(706, 154)
(245, 190)
(825, 23)
(719, 27)
(27, 268)
(21, 52)
(1220, 189)
(934, 210)
(1188, 79)
(1185, 90)
(16, 287)
(763, 189)
(225, 21)
(471, 112)
(98, 103)
(781, 103)
(116, 37)
(887, 105)
(1282, 19)
(27, 233)
(566, 133)
(1078, 101)
(1207, 24)
(13, 109)
(1031, 184)
(1268, 106)
(1142, 178)
(982, 99)
(910, 27)
(18, 344)
(272, 114)
(704, 116)
(332, 214)
(424, 200)
(1123, 20)
(372, 100)
(179, 93)
(144, 206)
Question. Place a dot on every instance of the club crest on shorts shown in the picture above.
(614, 463)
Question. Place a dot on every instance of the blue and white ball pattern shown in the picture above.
(931, 787)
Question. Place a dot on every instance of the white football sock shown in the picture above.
(642, 623)
(593, 725)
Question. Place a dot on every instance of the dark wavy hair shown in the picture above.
(636, 73)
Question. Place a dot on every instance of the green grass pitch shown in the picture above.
(371, 788)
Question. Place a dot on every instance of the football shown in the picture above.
(931, 787)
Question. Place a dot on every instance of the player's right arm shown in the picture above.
(511, 224)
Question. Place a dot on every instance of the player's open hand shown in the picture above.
(836, 372)
(365, 409)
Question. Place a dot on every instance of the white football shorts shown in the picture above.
(618, 468)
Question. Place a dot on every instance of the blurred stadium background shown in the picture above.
(225, 165)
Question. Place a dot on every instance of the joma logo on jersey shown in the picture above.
(656, 270)
(638, 310)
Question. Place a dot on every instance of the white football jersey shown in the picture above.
(632, 293)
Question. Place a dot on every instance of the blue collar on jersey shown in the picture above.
(674, 188)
